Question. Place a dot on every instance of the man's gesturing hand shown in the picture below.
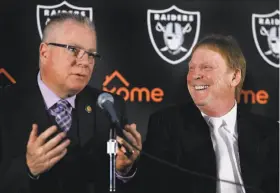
(41, 154)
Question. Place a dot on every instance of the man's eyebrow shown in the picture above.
(203, 63)
(81, 47)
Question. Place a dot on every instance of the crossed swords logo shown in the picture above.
(173, 35)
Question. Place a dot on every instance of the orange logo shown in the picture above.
(7, 75)
(249, 96)
(134, 93)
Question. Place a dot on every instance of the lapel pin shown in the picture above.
(88, 109)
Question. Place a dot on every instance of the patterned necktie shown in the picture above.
(226, 167)
(62, 113)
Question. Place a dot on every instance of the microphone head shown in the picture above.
(103, 97)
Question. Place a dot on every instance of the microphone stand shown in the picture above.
(112, 151)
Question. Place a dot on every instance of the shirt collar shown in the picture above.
(229, 118)
(50, 97)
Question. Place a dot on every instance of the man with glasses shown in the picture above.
(78, 52)
(54, 136)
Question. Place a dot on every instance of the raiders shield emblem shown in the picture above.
(173, 32)
(45, 13)
(266, 29)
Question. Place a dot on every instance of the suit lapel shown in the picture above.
(198, 148)
(86, 111)
(34, 107)
(196, 135)
(248, 152)
(92, 121)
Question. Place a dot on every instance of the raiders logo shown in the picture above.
(266, 29)
(45, 13)
(173, 32)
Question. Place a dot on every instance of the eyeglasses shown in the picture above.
(77, 52)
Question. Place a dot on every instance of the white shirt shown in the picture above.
(50, 98)
(231, 127)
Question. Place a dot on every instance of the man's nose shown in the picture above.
(197, 74)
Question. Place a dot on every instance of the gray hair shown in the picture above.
(62, 17)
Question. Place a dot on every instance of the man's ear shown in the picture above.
(236, 78)
(43, 51)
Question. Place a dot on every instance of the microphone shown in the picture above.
(106, 102)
